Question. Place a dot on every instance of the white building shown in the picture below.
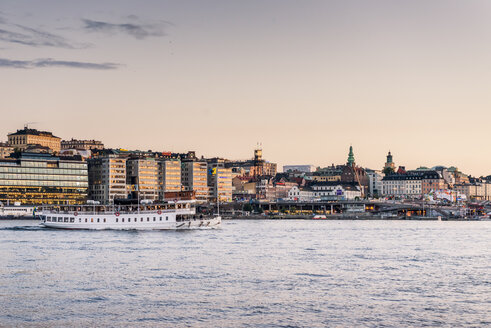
(336, 191)
(302, 195)
(375, 182)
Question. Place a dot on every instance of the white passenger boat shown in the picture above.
(169, 216)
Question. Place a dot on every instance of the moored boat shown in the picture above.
(168, 216)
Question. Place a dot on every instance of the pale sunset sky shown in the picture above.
(307, 79)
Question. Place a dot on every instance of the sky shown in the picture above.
(306, 79)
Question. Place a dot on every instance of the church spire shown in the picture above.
(351, 157)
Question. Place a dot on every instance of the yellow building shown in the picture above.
(142, 178)
(23, 138)
(326, 178)
(169, 176)
(220, 183)
(5, 150)
(194, 177)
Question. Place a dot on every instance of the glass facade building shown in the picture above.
(34, 178)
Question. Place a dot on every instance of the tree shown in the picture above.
(247, 208)
(388, 170)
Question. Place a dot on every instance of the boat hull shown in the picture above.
(208, 223)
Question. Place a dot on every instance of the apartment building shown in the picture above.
(107, 179)
(220, 183)
(194, 177)
(169, 177)
(142, 178)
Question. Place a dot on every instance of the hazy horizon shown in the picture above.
(305, 79)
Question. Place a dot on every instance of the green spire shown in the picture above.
(351, 156)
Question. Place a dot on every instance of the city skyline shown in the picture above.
(306, 80)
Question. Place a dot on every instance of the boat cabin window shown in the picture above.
(148, 219)
(166, 218)
(65, 220)
(85, 220)
(135, 219)
(154, 218)
(79, 220)
(60, 219)
(48, 219)
(116, 219)
(72, 220)
(98, 219)
(160, 218)
(104, 219)
(122, 220)
(141, 219)
(92, 220)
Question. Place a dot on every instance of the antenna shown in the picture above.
(26, 125)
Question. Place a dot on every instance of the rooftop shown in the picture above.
(27, 131)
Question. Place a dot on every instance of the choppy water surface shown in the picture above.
(249, 274)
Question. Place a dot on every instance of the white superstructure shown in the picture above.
(16, 211)
(170, 216)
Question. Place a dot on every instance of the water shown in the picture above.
(249, 274)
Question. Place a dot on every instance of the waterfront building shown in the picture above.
(273, 188)
(142, 178)
(477, 190)
(37, 178)
(412, 184)
(194, 177)
(302, 194)
(5, 150)
(107, 179)
(374, 182)
(82, 144)
(220, 182)
(169, 177)
(330, 191)
(25, 137)
(299, 168)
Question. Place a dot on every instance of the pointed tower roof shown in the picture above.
(351, 157)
